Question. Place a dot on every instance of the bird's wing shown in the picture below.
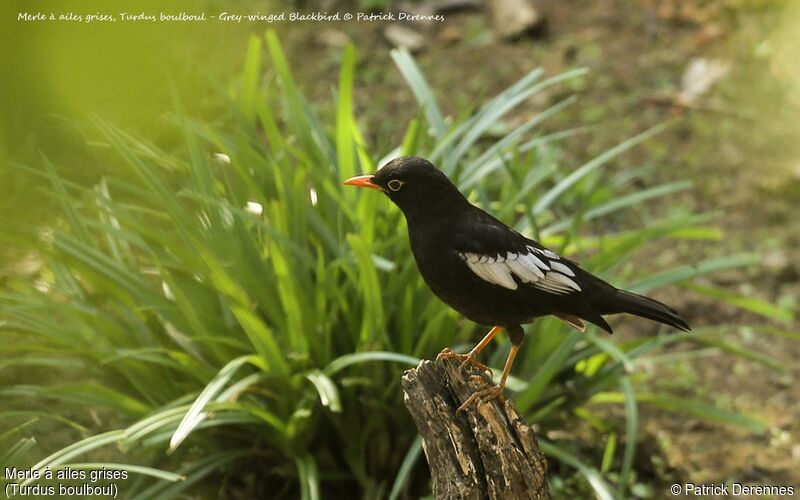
(503, 257)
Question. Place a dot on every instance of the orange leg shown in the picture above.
(471, 357)
(495, 391)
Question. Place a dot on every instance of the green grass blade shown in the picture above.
(553, 194)
(251, 79)
(601, 488)
(739, 351)
(421, 90)
(751, 304)
(134, 469)
(308, 475)
(414, 451)
(345, 141)
(192, 473)
(554, 363)
(15, 452)
(492, 158)
(496, 109)
(608, 453)
(195, 414)
(346, 360)
(682, 273)
(620, 203)
(328, 393)
(695, 408)
(631, 435)
(75, 449)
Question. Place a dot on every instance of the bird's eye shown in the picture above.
(395, 185)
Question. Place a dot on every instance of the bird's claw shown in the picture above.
(483, 396)
(466, 359)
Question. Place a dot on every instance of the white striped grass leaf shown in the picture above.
(162, 425)
(593, 477)
(149, 424)
(346, 360)
(308, 475)
(195, 414)
(222, 416)
(326, 388)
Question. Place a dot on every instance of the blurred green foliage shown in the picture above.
(57, 72)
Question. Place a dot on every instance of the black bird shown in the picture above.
(489, 272)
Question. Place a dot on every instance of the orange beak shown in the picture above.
(364, 181)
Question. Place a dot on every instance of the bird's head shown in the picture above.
(411, 183)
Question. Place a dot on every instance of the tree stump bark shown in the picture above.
(486, 451)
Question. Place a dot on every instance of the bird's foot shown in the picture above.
(483, 396)
(466, 359)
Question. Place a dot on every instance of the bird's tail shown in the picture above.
(632, 303)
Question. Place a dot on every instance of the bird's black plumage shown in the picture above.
(489, 272)
(443, 226)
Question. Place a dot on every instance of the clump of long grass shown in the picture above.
(242, 315)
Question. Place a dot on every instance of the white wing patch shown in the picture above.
(530, 267)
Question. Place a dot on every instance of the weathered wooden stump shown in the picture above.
(486, 451)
